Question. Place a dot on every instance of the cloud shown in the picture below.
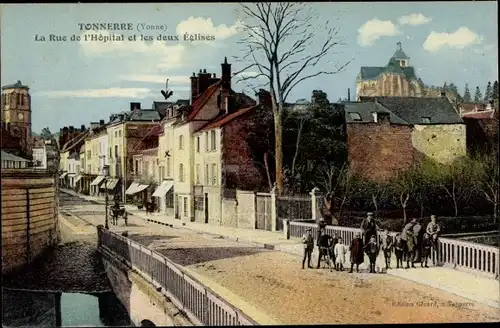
(374, 29)
(414, 19)
(99, 93)
(199, 25)
(156, 78)
(459, 39)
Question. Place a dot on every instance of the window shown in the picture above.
(136, 167)
(181, 172)
(89, 168)
(185, 200)
(116, 134)
(197, 174)
(206, 141)
(197, 144)
(355, 116)
(214, 174)
(206, 175)
(181, 142)
(110, 153)
(212, 140)
(168, 166)
(426, 120)
(120, 133)
(116, 151)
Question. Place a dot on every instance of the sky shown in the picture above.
(75, 82)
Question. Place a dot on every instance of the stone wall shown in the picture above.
(230, 213)
(443, 143)
(379, 150)
(246, 209)
(29, 216)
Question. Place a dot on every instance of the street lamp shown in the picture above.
(105, 172)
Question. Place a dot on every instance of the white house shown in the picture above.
(73, 168)
(40, 155)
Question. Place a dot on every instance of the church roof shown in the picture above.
(400, 54)
(17, 85)
(372, 72)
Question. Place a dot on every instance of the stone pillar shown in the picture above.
(286, 228)
(273, 209)
(315, 214)
(254, 212)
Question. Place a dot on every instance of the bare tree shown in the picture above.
(379, 192)
(486, 166)
(404, 187)
(279, 43)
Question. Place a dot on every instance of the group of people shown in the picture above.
(412, 245)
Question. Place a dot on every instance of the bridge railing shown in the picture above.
(455, 253)
(198, 302)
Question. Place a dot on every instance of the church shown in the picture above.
(397, 79)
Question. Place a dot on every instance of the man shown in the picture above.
(433, 230)
(368, 228)
(418, 234)
(308, 241)
(408, 242)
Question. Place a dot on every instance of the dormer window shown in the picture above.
(426, 120)
(355, 116)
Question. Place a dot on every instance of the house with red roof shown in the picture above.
(202, 152)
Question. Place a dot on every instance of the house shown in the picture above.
(415, 127)
(438, 130)
(482, 129)
(79, 182)
(129, 132)
(39, 154)
(11, 161)
(145, 173)
(379, 143)
(73, 168)
(95, 157)
(71, 146)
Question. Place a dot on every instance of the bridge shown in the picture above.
(229, 276)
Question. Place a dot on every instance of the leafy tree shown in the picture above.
(278, 42)
(488, 94)
(478, 96)
(467, 95)
(454, 90)
(494, 94)
(486, 166)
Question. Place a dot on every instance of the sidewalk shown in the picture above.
(467, 285)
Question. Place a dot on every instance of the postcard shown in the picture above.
(267, 163)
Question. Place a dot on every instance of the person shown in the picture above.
(398, 250)
(386, 247)
(356, 249)
(340, 251)
(406, 235)
(410, 249)
(308, 242)
(426, 250)
(433, 230)
(322, 243)
(371, 249)
(331, 249)
(368, 228)
(417, 236)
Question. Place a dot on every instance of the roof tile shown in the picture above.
(225, 119)
(202, 100)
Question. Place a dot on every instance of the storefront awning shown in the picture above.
(78, 177)
(131, 189)
(112, 184)
(97, 180)
(63, 175)
(162, 190)
(141, 188)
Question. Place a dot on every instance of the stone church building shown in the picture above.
(397, 79)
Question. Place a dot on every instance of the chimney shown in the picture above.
(264, 98)
(203, 81)
(101, 122)
(134, 106)
(82, 128)
(226, 74)
(194, 88)
(348, 95)
(375, 116)
(71, 129)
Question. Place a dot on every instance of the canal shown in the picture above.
(66, 287)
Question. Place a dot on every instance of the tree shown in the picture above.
(487, 181)
(379, 192)
(403, 187)
(488, 94)
(477, 96)
(445, 87)
(467, 95)
(278, 43)
(494, 94)
(454, 90)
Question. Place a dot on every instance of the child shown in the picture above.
(410, 250)
(308, 242)
(340, 251)
(356, 249)
(398, 250)
(331, 251)
(386, 241)
(426, 250)
(372, 250)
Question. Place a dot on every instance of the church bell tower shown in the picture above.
(16, 114)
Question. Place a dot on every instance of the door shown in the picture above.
(206, 208)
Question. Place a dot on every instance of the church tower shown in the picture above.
(400, 56)
(16, 114)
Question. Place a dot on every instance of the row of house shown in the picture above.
(189, 155)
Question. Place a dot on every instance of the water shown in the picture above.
(23, 308)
